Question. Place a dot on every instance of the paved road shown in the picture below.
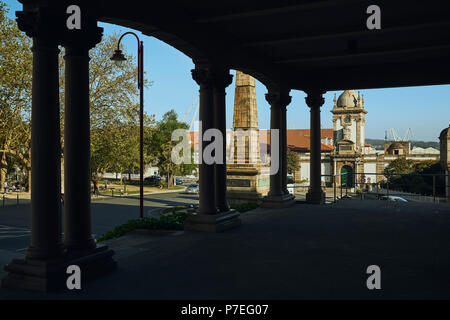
(106, 214)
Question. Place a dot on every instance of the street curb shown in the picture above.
(102, 197)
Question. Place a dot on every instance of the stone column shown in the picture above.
(283, 149)
(46, 239)
(221, 79)
(208, 218)
(275, 124)
(207, 197)
(315, 193)
(447, 179)
(444, 138)
(77, 202)
(46, 260)
(278, 195)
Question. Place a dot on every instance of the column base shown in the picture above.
(213, 222)
(315, 197)
(50, 275)
(281, 201)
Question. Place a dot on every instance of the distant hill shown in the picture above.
(379, 144)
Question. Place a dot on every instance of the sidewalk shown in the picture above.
(302, 252)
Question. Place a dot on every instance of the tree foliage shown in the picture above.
(293, 161)
(15, 89)
(114, 111)
(114, 108)
(160, 147)
(416, 177)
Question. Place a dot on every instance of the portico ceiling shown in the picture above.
(303, 44)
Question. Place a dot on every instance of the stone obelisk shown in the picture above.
(247, 177)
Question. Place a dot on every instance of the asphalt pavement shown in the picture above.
(106, 212)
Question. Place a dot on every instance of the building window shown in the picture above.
(345, 148)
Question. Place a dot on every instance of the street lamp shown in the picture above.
(118, 57)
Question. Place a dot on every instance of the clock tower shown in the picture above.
(349, 122)
(349, 137)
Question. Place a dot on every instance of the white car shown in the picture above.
(290, 184)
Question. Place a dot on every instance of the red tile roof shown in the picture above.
(299, 139)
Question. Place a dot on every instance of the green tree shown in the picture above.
(15, 88)
(398, 166)
(293, 161)
(409, 176)
(114, 111)
(160, 146)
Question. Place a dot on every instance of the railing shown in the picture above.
(430, 185)
(11, 198)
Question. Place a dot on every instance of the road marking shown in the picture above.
(10, 237)
(7, 232)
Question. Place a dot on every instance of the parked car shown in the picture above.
(290, 184)
(153, 181)
(192, 188)
(178, 181)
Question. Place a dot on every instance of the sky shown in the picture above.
(426, 110)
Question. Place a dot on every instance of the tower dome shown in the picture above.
(349, 99)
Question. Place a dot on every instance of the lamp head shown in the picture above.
(118, 57)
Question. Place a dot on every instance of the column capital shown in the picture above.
(48, 24)
(82, 40)
(221, 78)
(279, 98)
(202, 76)
(314, 98)
(217, 77)
(41, 25)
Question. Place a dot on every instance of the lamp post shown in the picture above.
(117, 58)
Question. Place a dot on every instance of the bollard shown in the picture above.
(3, 200)
(112, 193)
(387, 190)
(17, 199)
(334, 182)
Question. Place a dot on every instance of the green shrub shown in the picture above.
(174, 221)
(244, 207)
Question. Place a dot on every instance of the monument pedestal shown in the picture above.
(50, 275)
(247, 183)
(213, 222)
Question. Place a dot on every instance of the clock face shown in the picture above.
(347, 119)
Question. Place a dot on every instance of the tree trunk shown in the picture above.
(95, 182)
(3, 169)
(170, 180)
(29, 179)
